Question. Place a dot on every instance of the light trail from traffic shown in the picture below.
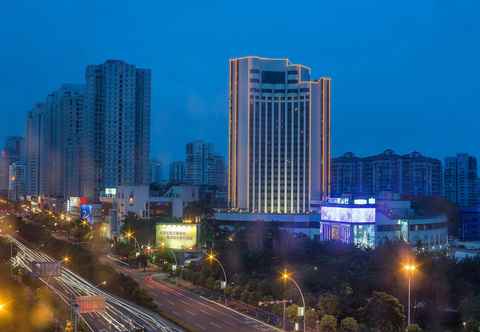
(119, 315)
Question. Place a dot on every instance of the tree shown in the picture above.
(328, 323)
(472, 326)
(383, 312)
(292, 312)
(311, 317)
(328, 304)
(349, 324)
(470, 308)
(413, 328)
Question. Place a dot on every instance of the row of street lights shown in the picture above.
(286, 276)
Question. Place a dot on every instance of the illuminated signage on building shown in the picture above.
(347, 214)
(110, 191)
(73, 202)
(176, 236)
(86, 213)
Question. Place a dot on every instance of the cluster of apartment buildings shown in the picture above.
(86, 141)
(412, 175)
(202, 166)
(86, 137)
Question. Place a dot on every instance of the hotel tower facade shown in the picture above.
(279, 136)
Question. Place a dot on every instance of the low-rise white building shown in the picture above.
(137, 200)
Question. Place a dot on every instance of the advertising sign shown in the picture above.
(348, 214)
(90, 304)
(46, 269)
(86, 213)
(176, 236)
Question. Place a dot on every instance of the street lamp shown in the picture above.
(130, 235)
(212, 258)
(410, 269)
(287, 276)
(66, 259)
(174, 258)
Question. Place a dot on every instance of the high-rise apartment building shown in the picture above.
(177, 172)
(12, 152)
(53, 150)
(217, 173)
(117, 138)
(4, 164)
(347, 175)
(156, 171)
(412, 174)
(202, 165)
(16, 181)
(461, 180)
(279, 136)
(32, 149)
(15, 148)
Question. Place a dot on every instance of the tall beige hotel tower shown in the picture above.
(279, 136)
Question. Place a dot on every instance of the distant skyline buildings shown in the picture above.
(411, 174)
(177, 171)
(203, 167)
(279, 136)
(12, 151)
(461, 180)
(156, 171)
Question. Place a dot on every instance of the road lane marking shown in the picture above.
(189, 312)
(270, 327)
(201, 327)
(216, 325)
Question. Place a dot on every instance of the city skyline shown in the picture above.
(239, 166)
(374, 64)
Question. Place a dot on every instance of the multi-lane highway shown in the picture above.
(197, 312)
(119, 315)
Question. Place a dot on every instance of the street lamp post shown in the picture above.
(129, 235)
(410, 269)
(284, 305)
(287, 276)
(211, 257)
(174, 258)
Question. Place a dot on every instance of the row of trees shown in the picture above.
(446, 293)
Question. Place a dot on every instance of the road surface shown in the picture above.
(195, 311)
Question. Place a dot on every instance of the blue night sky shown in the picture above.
(405, 73)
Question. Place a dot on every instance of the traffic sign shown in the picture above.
(90, 303)
(46, 269)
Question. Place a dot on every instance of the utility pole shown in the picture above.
(11, 257)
